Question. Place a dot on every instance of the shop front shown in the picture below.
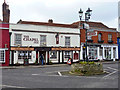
(101, 52)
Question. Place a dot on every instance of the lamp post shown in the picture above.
(85, 25)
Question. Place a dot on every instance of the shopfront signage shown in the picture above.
(27, 38)
(76, 49)
(22, 49)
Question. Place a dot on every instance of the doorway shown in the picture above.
(108, 53)
(44, 57)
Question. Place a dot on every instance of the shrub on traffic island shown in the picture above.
(87, 68)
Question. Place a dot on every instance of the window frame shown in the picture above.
(67, 54)
(66, 41)
(109, 37)
(15, 39)
(100, 37)
(4, 56)
(25, 56)
(41, 43)
(52, 55)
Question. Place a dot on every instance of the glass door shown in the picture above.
(108, 53)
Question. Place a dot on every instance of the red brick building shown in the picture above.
(101, 40)
(4, 36)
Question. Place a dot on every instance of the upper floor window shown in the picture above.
(2, 56)
(89, 37)
(99, 37)
(42, 40)
(109, 37)
(18, 38)
(67, 41)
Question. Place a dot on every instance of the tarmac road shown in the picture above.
(48, 77)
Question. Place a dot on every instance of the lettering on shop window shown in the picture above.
(27, 38)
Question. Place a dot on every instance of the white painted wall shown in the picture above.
(16, 57)
(51, 40)
(33, 57)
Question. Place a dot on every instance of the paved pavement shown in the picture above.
(54, 65)
(49, 77)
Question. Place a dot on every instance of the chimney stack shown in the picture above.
(50, 21)
(6, 12)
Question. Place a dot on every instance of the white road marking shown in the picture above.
(35, 74)
(115, 70)
(57, 71)
(9, 86)
(59, 74)
(112, 68)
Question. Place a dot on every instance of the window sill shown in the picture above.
(110, 42)
(101, 41)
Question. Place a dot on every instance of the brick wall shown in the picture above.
(104, 37)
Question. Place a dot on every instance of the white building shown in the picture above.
(57, 42)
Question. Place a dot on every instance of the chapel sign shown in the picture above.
(27, 38)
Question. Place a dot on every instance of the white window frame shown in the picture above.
(15, 39)
(4, 55)
(51, 52)
(109, 37)
(99, 37)
(67, 42)
(43, 43)
(67, 54)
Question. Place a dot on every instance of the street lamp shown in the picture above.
(85, 25)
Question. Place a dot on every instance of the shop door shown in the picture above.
(44, 56)
(108, 53)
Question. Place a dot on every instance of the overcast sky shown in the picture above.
(62, 11)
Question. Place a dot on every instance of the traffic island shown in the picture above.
(85, 69)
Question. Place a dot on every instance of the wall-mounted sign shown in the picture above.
(27, 38)
(93, 33)
(57, 38)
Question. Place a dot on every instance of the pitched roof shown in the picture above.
(97, 25)
(47, 24)
(93, 25)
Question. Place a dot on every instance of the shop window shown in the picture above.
(18, 39)
(75, 55)
(24, 54)
(109, 37)
(67, 54)
(92, 53)
(42, 40)
(53, 54)
(67, 41)
(2, 56)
